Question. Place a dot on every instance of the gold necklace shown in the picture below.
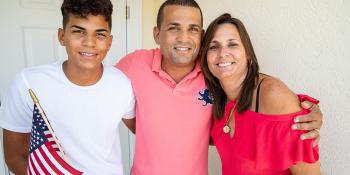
(226, 129)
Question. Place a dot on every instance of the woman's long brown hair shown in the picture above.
(245, 97)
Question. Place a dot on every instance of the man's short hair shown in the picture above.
(186, 3)
(83, 8)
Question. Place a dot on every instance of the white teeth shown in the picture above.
(224, 64)
(182, 48)
(87, 54)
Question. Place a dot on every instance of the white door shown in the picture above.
(28, 35)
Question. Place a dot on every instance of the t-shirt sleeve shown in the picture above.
(279, 147)
(125, 65)
(16, 106)
(130, 110)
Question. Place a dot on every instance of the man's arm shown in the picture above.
(130, 123)
(16, 150)
(311, 122)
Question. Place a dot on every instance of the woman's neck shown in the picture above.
(232, 86)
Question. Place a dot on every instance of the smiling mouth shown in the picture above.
(87, 54)
(183, 49)
(225, 64)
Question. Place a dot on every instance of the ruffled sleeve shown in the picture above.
(279, 147)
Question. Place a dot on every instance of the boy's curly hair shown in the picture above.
(83, 8)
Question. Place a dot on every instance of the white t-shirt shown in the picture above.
(84, 118)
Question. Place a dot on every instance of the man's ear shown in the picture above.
(60, 35)
(156, 32)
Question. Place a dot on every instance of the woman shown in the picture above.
(253, 112)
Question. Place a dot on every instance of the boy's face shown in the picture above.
(87, 41)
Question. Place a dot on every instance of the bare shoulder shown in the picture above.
(277, 98)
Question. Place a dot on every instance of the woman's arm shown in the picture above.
(277, 98)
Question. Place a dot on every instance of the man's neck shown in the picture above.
(177, 73)
(82, 77)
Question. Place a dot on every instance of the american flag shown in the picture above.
(44, 155)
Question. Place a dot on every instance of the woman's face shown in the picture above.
(226, 55)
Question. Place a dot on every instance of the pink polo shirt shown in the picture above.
(172, 120)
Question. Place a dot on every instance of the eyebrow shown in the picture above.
(82, 28)
(217, 42)
(177, 24)
(75, 26)
(214, 42)
(232, 40)
(102, 30)
(173, 24)
(195, 25)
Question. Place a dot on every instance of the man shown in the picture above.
(173, 107)
(83, 99)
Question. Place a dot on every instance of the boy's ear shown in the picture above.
(60, 35)
(156, 32)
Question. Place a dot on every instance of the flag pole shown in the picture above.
(36, 102)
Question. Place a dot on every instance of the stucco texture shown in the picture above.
(305, 43)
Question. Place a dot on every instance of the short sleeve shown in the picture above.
(279, 147)
(303, 97)
(16, 106)
(130, 109)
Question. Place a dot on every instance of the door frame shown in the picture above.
(134, 41)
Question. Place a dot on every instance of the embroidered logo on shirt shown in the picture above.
(205, 97)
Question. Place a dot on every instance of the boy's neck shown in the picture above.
(82, 77)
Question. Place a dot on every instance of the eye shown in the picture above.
(78, 31)
(195, 29)
(101, 35)
(232, 44)
(213, 47)
(173, 29)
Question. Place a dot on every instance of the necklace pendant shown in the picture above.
(226, 129)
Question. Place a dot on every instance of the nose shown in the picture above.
(224, 52)
(183, 36)
(89, 41)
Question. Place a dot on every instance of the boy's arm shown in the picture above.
(131, 124)
(16, 150)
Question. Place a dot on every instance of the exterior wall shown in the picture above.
(306, 44)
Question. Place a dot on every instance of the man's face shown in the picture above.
(179, 35)
(87, 41)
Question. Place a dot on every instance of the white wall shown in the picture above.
(306, 43)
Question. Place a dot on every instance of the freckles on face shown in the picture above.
(226, 55)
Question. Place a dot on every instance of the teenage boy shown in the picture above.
(173, 109)
(83, 99)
